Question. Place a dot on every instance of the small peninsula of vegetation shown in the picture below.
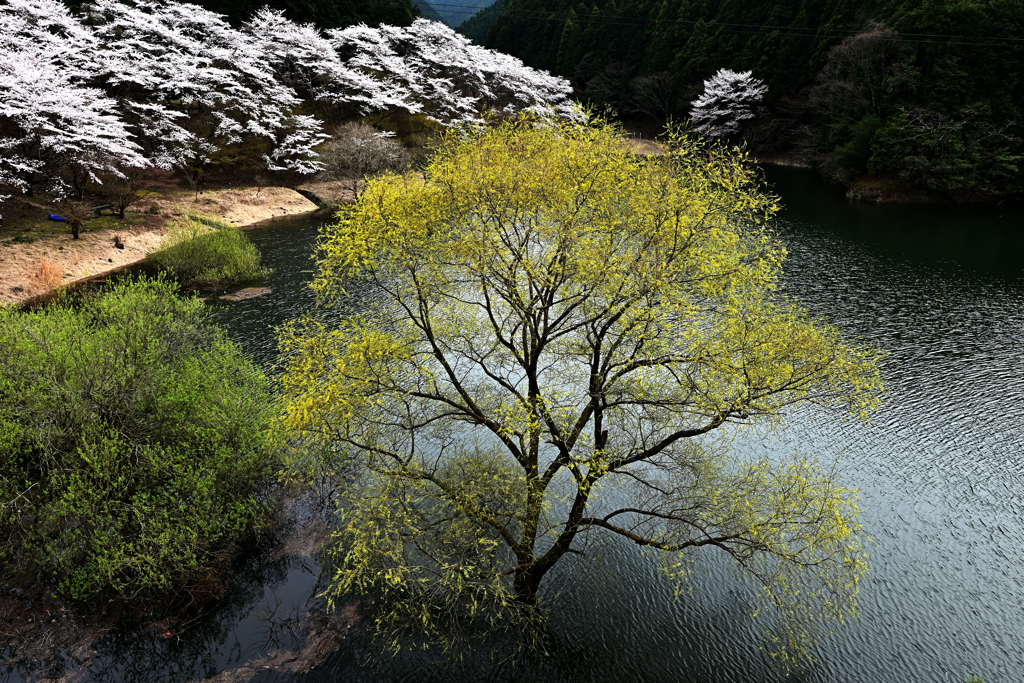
(208, 253)
(134, 443)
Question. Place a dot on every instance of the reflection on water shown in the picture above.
(259, 614)
(985, 238)
(287, 247)
(254, 619)
(941, 290)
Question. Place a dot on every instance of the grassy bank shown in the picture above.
(205, 252)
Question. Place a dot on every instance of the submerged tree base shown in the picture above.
(42, 635)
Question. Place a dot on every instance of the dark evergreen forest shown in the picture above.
(479, 25)
(928, 93)
(451, 12)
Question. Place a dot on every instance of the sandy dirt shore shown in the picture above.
(37, 255)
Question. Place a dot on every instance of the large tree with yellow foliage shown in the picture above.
(555, 338)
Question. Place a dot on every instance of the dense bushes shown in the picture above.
(864, 98)
(960, 153)
(133, 446)
(208, 253)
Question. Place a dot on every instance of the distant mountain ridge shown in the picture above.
(427, 11)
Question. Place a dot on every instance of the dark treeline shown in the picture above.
(928, 92)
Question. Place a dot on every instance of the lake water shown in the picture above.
(939, 467)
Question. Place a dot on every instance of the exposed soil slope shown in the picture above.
(37, 254)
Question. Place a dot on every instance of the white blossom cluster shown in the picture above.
(135, 83)
(426, 68)
(729, 99)
(50, 118)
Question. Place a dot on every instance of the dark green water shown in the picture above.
(941, 290)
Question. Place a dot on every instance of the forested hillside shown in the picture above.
(479, 25)
(928, 92)
(452, 12)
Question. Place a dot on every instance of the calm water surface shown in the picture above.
(939, 467)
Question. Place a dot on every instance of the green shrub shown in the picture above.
(134, 446)
(209, 253)
(854, 154)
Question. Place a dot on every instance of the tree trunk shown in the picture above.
(75, 226)
(526, 584)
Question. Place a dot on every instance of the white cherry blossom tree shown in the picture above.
(426, 68)
(304, 58)
(729, 99)
(49, 28)
(169, 84)
(57, 119)
(442, 74)
(191, 84)
(55, 132)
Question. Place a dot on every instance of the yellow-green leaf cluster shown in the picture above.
(545, 316)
